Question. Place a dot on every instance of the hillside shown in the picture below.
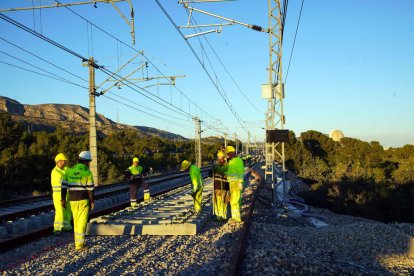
(72, 118)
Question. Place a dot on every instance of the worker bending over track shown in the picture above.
(221, 195)
(197, 183)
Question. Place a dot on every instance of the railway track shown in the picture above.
(204, 241)
(217, 248)
(32, 218)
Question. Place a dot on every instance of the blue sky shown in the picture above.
(351, 69)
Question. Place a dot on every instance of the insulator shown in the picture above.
(257, 28)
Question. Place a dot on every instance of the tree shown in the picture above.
(405, 172)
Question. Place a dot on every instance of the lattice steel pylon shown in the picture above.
(275, 118)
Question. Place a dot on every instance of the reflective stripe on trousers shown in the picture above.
(80, 210)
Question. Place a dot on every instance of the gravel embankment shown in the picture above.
(349, 245)
(277, 246)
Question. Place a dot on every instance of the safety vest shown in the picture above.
(78, 181)
(135, 170)
(195, 176)
(57, 176)
(236, 170)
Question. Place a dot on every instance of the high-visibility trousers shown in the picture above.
(63, 216)
(220, 204)
(235, 200)
(80, 211)
(197, 197)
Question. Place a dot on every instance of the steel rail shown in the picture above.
(100, 192)
(240, 247)
(27, 237)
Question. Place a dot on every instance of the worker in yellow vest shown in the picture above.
(221, 195)
(134, 175)
(197, 183)
(63, 216)
(235, 177)
(79, 182)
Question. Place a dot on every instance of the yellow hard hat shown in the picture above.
(220, 153)
(61, 156)
(185, 165)
(135, 159)
(230, 149)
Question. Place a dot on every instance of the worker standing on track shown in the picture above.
(63, 216)
(79, 182)
(235, 175)
(197, 183)
(221, 195)
(134, 175)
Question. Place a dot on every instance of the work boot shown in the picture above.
(232, 220)
(82, 248)
(147, 196)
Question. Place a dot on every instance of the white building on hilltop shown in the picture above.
(336, 135)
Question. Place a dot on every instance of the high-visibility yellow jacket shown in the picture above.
(235, 173)
(196, 178)
(57, 176)
(79, 181)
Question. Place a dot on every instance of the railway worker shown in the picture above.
(197, 183)
(221, 195)
(79, 182)
(63, 216)
(235, 176)
(134, 175)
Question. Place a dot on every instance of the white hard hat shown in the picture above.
(85, 155)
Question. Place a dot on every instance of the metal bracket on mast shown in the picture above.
(230, 21)
(58, 4)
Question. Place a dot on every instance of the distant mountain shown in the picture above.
(72, 118)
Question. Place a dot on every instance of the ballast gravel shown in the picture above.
(278, 244)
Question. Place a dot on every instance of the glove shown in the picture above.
(63, 203)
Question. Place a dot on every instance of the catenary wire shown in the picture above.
(86, 88)
(35, 66)
(50, 63)
(28, 70)
(108, 72)
(132, 48)
(202, 65)
(6, 18)
(294, 41)
(225, 68)
(149, 114)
